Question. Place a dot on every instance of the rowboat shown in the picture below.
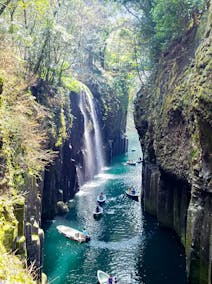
(102, 277)
(99, 213)
(131, 163)
(101, 198)
(133, 194)
(72, 234)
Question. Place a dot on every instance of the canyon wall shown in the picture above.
(174, 119)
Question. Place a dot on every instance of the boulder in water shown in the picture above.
(62, 208)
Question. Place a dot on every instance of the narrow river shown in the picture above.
(126, 242)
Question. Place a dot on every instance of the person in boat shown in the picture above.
(97, 209)
(101, 196)
(85, 233)
(110, 280)
(133, 190)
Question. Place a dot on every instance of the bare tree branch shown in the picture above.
(4, 6)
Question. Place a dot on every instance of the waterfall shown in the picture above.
(89, 160)
(93, 147)
(97, 135)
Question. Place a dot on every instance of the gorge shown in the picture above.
(69, 72)
(124, 234)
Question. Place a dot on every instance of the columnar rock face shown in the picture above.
(61, 179)
(60, 182)
(174, 119)
(32, 222)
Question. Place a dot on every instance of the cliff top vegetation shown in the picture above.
(160, 22)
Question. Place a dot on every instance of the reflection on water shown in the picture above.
(126, 242)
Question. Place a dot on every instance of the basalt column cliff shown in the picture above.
(173, 118)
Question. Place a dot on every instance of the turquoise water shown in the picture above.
(126, 242)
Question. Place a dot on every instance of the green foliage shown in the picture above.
(57, 36)
(62, 130)
(120, 88)
(22, 139)
(159, 22)
(120, 51)
(172, 18)
(23, 136)
(71, 84)
(72, 36)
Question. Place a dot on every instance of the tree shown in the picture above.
(172, 18)
(158, 22)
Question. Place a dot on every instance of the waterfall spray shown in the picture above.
(93, 147)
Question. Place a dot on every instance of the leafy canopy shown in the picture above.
(159, 22)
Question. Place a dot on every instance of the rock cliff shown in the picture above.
(174, 119)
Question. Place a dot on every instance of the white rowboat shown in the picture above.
(131, 163)
(98, 214)
(102, 277)
(72, 234)
(134, 196)
(101, 198)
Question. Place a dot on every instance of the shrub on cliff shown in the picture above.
(22, 133)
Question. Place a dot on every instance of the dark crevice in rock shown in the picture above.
(166, 197)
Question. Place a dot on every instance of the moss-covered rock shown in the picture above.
(19, 212)
(72, 84)
(21, 245)
(11, 268)
(174, 121)
(62, 208)
(44, 279)
(8, 224)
